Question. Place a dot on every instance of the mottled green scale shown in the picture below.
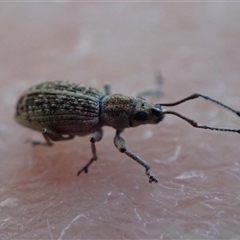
(64, 107)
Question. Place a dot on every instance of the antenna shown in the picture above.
(192, 122)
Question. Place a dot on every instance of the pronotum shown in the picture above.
(62, 110)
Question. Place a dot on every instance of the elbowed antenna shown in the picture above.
(196, 125)
(192, 122)
(196, 95)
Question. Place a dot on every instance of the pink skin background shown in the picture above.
(196, 47)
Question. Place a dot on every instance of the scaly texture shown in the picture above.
(61, 106)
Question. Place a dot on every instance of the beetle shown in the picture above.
(62, 110)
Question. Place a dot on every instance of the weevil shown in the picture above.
(62, 110)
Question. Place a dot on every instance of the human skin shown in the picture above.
(196, 47)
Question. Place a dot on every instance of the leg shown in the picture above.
(51, 135)
(155, 92)
(96, 137)
(120, 144)
(107, 89)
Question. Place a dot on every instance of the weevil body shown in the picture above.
(62, 108)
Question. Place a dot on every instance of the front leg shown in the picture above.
(96, 137)
(154, 92)
(120, 144)
(49, 136)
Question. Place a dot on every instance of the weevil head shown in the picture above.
(120, 111)
(145, 112)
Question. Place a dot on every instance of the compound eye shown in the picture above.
(140, 116)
